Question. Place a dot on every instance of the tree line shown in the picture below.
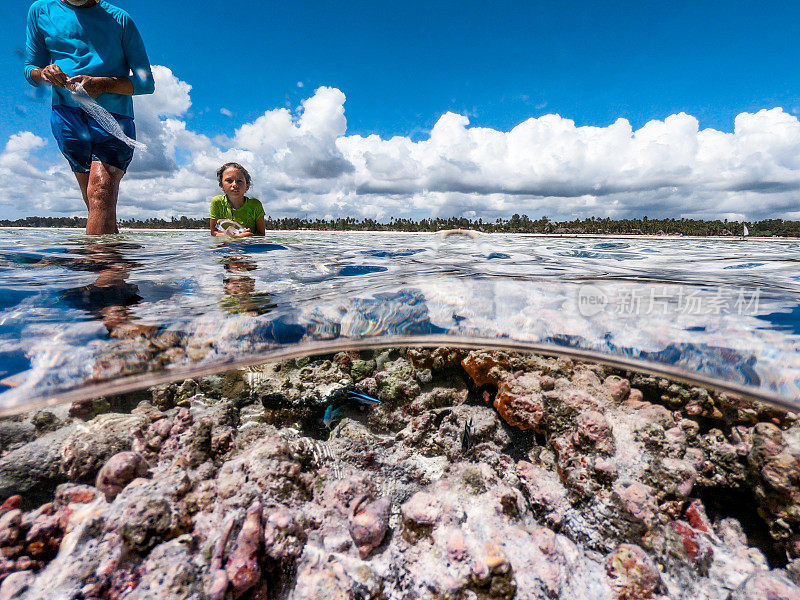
(516, 224)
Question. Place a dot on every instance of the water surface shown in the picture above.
(76, 312)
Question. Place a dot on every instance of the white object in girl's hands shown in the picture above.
(230, 226)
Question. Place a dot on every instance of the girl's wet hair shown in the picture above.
(221, 170)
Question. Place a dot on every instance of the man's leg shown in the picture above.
(72, 134)
(101, 198)
(83, 183)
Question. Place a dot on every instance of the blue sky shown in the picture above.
(402, 65)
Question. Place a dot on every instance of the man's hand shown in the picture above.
(53, 75)
(94, 86)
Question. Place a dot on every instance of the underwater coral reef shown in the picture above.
(404, 473)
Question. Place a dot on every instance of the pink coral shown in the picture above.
(243, 566)
(368, 523)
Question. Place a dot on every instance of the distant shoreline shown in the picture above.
(623, 236)
(588, 227)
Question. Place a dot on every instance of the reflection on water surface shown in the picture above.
(76, 311)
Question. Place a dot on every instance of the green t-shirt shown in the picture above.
(246, 216)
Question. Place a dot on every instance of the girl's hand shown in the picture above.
(243, 233)
(53, 75)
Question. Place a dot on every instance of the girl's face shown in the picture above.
(233, 183)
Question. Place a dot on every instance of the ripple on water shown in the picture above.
(73, 308)
(744, 266)
(355, 270)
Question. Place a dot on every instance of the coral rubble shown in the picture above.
(479, 475)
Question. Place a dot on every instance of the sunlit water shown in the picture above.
(77, 311)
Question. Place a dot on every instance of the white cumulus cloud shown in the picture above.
(304, 162)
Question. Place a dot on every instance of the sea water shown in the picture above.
(83, 315)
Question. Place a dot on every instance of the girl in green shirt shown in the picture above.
(234, 180)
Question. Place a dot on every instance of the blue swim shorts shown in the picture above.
(81, 139)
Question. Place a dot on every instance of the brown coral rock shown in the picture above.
(696, 547)
(640, 502)
(519, 401)
(419, 515)
(486, 367)
(594, 432)
(243, 566)
(218, 583)
(11, 503)
(284, 536)
(633, 574)
(617, 387)
(69, 493)
(44, 536)
(10, 527)
(119, 471)
(368, 523)
(774, 469)
(435, 358)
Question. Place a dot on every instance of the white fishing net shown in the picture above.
(104, 118)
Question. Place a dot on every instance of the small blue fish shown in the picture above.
(331, 414)
(362, 398)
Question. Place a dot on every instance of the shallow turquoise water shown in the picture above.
(76, 311)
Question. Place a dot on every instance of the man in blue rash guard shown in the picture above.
(97, 45)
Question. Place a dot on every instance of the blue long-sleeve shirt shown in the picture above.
(101, 41)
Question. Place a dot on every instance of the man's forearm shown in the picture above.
(95, 86)
(116, 85)
(99, 85)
